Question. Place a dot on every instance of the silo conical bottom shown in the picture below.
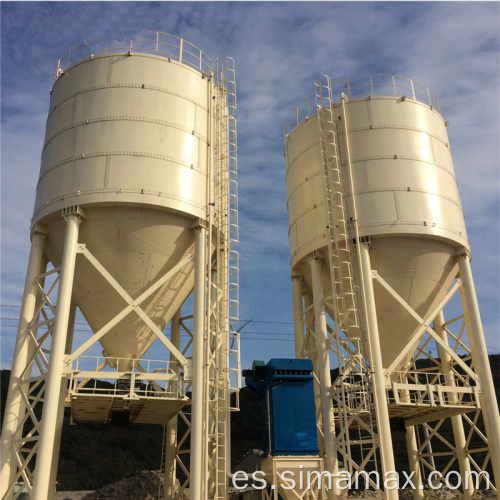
(420, 270)
(137, 246)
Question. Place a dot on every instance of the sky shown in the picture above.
(279, 48)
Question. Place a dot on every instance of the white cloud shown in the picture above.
(279, 48)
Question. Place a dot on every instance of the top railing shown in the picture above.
(364, 86)
(152, 42)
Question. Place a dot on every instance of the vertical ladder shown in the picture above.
(353, 395)
(343, 286)
(162, 461)
(226, 310)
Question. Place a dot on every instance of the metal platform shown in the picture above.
(141, 410)
(413, 414)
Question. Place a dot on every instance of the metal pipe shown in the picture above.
(312, 354)
(325, 378)
(456, 420)
(481, 362)
(44, 460)
(14, 407)
(196, 480)
(171, 430)
(298, 324)
(414, 462)
(379, 394)
(62, 399)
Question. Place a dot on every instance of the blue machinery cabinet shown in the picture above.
(288, 409)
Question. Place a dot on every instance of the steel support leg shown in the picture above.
(456, 420)
(298, 310)
(170, 452)
(414, 461)
(196, 479)
(44, 462)
(15, 408)
(331, 460)
(312, 354)
(380, 397)
(64, 390)
(481, 362)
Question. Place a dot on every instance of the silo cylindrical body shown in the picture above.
(406, 198)
(127, 139)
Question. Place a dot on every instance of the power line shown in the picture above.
(240, 321)
(242, 334)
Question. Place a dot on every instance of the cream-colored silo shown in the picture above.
(377, 240)
(136, 207)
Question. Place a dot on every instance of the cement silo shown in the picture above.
(378, 242)
(136, 207)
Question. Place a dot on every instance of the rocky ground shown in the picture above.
(441, 494)
(145, 486)
(71, 495)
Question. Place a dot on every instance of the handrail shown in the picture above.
(162, 44)
(142, 377)
(363, 86)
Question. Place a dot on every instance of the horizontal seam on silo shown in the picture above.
(377, 190)
(309, 177)
(307, 210)
(337, 104)
(390, 98)
(398, 127)
(399, 157)
(122, 118)
(124, 85)
(117, 153)
(299, 154)
(399, 188)
(405, 189)
(115, 190)
(403, 222)
(308, 242)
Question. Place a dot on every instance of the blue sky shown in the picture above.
(279, 48)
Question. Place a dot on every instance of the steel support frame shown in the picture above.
(351, 360)
(454, 378)
(17, 449)
(30, 457)
(379, 393)
(460, 380)
(209, 340)
(169, 463)
(325, 382)
(453, 369)
(27, 391)
(175, 445)
(480, 360)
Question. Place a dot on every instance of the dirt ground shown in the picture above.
(145, 486)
